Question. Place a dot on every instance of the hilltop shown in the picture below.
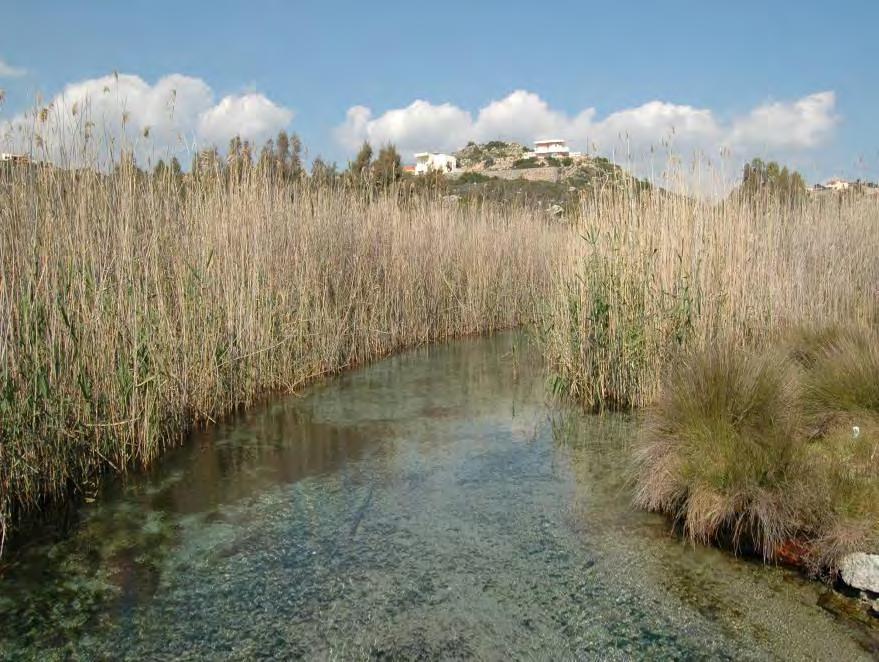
(504, 171)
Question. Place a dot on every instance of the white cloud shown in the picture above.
(170, 117)
(8, 71)
(523, 116)
(803, 124)
(420, 123)
(655, 123)
(251, 116)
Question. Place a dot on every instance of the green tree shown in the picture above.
(288, 156)
(282, 152)
(772, 180)
(358, 169)
(387, 168)
(294, 168)
(234, 160)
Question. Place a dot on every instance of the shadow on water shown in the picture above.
(429, 506)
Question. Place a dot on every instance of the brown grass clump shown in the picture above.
(841, 403)
(719, 450)
(771, 451)
(842, 473)
(746, 445)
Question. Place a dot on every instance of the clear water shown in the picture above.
(432, 505)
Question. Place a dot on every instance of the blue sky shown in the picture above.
(719, 71)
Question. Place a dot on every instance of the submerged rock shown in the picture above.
(861, 571)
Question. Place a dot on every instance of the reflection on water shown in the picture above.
(429, 506)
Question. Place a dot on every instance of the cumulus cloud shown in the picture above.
(803, 124)
(173, 116)
(8, 71)
(252, 116)
(420, 123)
(523, 116)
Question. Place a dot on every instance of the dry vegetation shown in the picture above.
(133, 307)
(747, 330)
(654, 275)
(744, 448)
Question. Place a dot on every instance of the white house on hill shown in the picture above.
(427, 161)
(551, 147)
(15, 159)
(836, 184)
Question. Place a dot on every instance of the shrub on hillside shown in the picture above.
(529, 162)
(472, 178)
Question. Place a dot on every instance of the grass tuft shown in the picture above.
(772, 450)
(719, 448)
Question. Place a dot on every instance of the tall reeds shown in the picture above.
(133, 307)
(654, 275)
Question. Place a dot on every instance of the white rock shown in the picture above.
(861, 571)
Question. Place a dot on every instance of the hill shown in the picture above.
(501, 171)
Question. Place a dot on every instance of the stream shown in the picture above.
(433, 505)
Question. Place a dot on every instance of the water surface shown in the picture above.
(432, 505)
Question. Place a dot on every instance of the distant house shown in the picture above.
(14, 159)
(432, 161)
(551, 147)
(410, 169)
(834, 184)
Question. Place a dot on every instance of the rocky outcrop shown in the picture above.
(861, 571)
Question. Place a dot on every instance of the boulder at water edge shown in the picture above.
(861, 571)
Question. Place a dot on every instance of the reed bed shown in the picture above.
(133, 307)
(747, 330)
(654, 276)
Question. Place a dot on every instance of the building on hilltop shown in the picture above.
(432, 161)
(551, 147)
(835, 184)
(14, 159)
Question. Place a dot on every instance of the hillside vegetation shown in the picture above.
(576, 176)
